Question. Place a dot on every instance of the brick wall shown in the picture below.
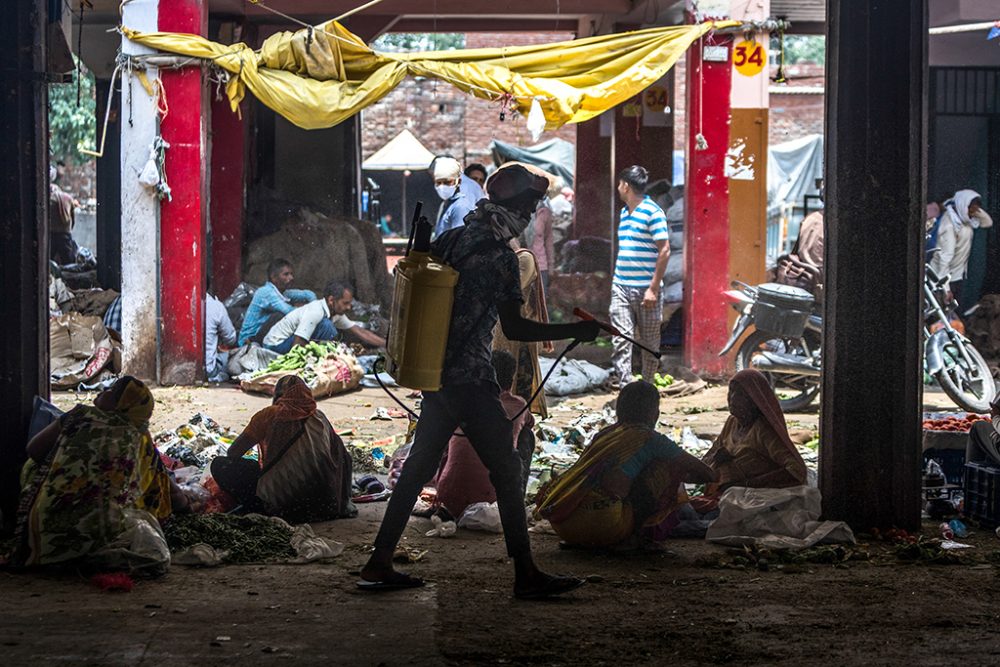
(445, 119)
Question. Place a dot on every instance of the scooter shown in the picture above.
(792, 357)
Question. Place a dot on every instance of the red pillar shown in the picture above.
(182, 220)
(228, 188)
(593, 186)
(706, 223)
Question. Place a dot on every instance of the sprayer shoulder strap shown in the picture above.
(444, 247)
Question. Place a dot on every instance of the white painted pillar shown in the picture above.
(140, 208)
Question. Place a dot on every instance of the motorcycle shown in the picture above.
(786, 343)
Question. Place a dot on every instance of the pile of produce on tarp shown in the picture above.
(327, 368)
(213, 539)
(955, 422)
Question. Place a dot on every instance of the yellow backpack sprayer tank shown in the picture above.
(421, 313)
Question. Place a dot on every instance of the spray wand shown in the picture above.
(611, 329)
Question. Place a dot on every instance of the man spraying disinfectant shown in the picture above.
(488, 288)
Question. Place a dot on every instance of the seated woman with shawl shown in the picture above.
(84, 471)
(629, 478)
(754, 449)
(304, 472)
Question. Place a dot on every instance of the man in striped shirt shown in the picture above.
(643, 251)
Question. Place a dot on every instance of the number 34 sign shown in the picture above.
(749, 58)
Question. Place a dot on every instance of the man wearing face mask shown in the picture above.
(458, 192)
(488, 288)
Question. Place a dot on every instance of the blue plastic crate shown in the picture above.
(982, 493)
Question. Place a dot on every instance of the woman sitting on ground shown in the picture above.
(84, 470)
(754, 449)
(304, 472)
(629, 478)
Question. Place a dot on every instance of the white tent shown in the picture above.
(402, 152)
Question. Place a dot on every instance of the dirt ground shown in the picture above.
(678, 608)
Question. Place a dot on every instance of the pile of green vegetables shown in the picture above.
(248, 539)
(660, 380)
(301, 356)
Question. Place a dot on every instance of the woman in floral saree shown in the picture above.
(84, 470)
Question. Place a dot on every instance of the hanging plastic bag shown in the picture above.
(150, 174)
(536, 120)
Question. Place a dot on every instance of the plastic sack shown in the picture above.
(140, 550)
(249, 359)
(150, 174)
(572, 376)
(481, 516)
(775, 518)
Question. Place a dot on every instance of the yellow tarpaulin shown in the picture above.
(321, 77)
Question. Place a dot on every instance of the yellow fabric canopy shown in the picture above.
(321, 77)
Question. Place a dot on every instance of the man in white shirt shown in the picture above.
(319, 320)
(218, 328)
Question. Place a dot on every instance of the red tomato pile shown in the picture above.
(956, 424)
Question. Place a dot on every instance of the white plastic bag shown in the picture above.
(536, 120)
(481, 516)
(141, 549)
(150, 174)
(775, 518)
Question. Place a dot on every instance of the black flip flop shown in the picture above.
(553, 587)
(403, 582)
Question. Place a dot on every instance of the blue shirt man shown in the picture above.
(459, 193)
(643, 251)
(274, 297)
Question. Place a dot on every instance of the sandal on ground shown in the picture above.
(398, 581)
(552, 587)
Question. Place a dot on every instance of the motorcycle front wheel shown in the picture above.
(794, 392)
(971, 388)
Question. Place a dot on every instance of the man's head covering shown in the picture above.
(515, 187)
(959, 205)
(446, 167)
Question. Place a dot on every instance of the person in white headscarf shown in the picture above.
(458, 192)
(963, 214)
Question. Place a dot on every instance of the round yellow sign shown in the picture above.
(749, 58)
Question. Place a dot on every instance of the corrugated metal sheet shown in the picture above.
(799, 10)
(973, 91)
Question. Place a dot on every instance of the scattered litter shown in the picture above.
(950, 544)
(404, 554)
(196, 442)
(441, 528)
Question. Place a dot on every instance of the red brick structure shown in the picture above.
(445, 119)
